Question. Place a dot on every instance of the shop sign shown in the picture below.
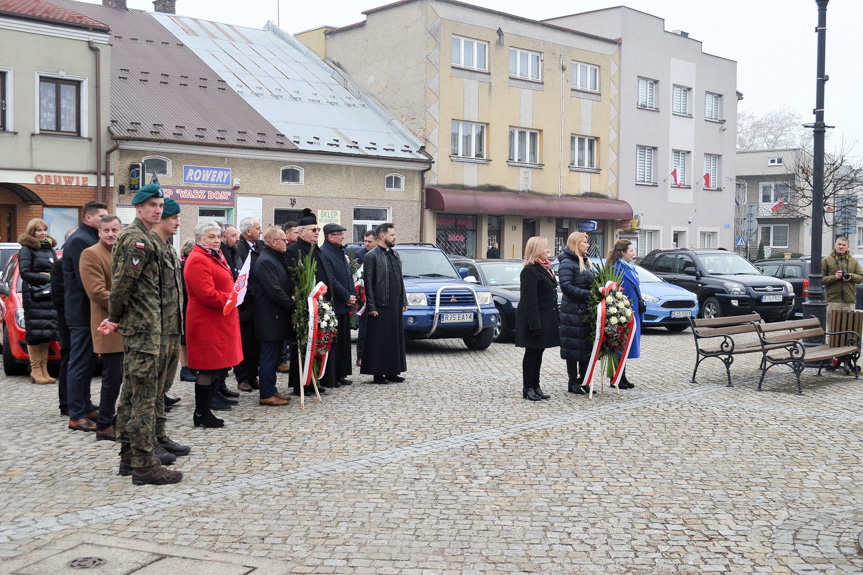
(62, 180)
(627, 225)
(203, 175)
(588, 225)
(199, 196)
(467, 222)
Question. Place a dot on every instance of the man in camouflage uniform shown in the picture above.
(172, 323)
(135, 310)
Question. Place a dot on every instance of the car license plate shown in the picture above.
(768, 298)
(456, 317)
(682, 313)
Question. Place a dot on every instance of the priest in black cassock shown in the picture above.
(386, 302)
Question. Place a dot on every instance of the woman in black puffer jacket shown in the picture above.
(576, 278)
(35, 260)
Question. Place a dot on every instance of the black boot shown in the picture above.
(574, 385)
(624, 383)
(529, 393)
(539, 392)
(223, 388)
(203, 416)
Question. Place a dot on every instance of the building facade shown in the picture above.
(678, 126)
(520, 117)
(54, 111)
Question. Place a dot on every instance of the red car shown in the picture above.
(16, 361)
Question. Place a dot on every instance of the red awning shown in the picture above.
(524, 204)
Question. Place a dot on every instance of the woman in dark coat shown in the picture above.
(620, 257)
(536, 317)
(35, 260)
(576, 279)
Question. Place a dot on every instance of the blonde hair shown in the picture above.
(536, 246)
(33, 224)
(572, 242)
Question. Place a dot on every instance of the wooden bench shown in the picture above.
(782, 344)
(714, 337)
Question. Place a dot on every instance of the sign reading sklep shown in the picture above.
(202, 175)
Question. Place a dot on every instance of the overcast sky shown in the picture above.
(773, 42)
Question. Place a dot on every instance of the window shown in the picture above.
(647, 93)
(59, 105)
(859, 237)
(281, 216)
(468, 53)
(665, 264)
(585, 77)
(395, 182)
(158, 165)
(582, 152)
(711, 106)
(645, 246)
(644, 165)
(772, 193)
(680, 103)
(774, 236)
(523, 146)
(468, 140)
(368, 218)
(3, 127)
(679, 159)
(523, 64)
(292, 175)
(711, 172)
(774, 161)
(707, 240)
(221, 215)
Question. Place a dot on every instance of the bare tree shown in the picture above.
(771, 130)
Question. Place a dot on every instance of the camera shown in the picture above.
(845, 275)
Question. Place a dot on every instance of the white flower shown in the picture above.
(609, 300)
(618, 295)
(613, 320)
(626, 303)
(627, 312)
(611, 310)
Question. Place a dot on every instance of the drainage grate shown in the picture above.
(86, 562)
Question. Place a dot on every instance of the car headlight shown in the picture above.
(650, 298)
(789, 287)
(735, 288)
(19, 317)
(417, 298)
(483, 297)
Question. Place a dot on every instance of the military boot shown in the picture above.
(125, 463)
(155, 475)
(162, 454)
(172, 446)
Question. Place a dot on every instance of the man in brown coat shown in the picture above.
(95, 265)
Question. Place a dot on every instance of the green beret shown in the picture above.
(147, 192)
(172, 208)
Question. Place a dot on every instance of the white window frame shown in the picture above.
(711, 166)
(712, 106)
(859, 236)
(299, 169)
(457, 59)
(370, 224)
(8, 113)
(772, 227)
(646, 174)
(459, 129)
(679, 160)
(712, 235)
(169, 165)
(84, 98)
(591, 148)
(532, 60)
(649, 239)
(531, 137)
(646, 95)
(400, 180)
(681, 101)
(786, 192)
(774, 161)
(591, 80)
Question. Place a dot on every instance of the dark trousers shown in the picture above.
(81, 363)
(63, 375)
(284, 353)
(530, 366)
(361, 334)
(576, 370)
(340, 353)
(112, 378)
(270, 352)
(326, 380)
(247, 370)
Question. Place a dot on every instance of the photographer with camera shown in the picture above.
(841, 273)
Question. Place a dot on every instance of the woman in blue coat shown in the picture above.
(576, 280)
(620, 257)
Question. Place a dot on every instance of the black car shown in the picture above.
(502, 278)
(796, 272)
(725, 283)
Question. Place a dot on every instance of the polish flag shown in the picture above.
(777, 205)
(674, 175)
(707, 180)
(238, 294)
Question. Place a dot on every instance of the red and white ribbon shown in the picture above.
(306, 373)
(599, 338)
(357, 287)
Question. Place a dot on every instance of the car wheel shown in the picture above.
(481, 341)
(676, 328)
(711, 308)
(10, 366)
(501, 332)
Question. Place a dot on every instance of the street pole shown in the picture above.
(814, 304)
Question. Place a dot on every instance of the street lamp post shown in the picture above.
(814, 304)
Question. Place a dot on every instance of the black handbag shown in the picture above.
(40, 292)
(642, 307)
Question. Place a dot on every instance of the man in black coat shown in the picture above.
(369, 242)
(250, 243)
(230, 239)
(307, 243)
(344, 298)
(493, 252)
(59, 301)
(77, 311)
(274, 309)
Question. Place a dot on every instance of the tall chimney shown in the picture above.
(166, 6)
(115, 4)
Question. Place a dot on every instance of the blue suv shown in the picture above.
(441, 304)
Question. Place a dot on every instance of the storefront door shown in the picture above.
(528, 230)
(7, 224)
(456, 234)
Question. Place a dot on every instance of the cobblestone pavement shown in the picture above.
(452, 472)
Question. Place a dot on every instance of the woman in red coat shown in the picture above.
(212, 338)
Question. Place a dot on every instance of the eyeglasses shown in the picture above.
(314, 230)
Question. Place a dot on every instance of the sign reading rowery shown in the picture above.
(200, 196)
(202, 175)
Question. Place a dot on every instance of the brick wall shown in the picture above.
(53, 196)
